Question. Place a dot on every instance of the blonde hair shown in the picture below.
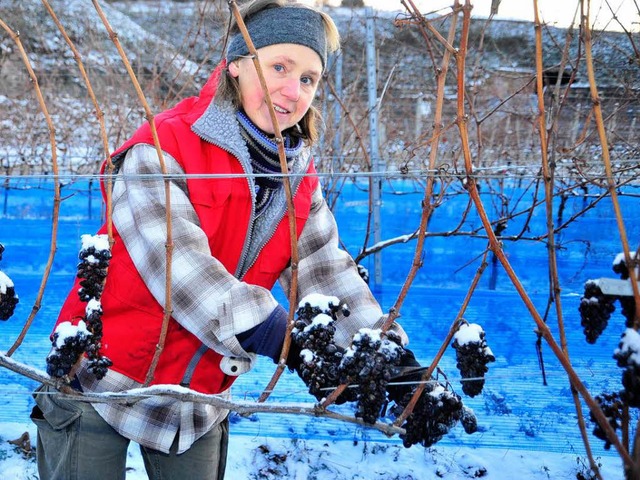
(228, 87)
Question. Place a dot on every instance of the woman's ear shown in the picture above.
(234, 70)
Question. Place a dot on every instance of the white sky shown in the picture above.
(553, 12)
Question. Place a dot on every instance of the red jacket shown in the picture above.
(132, 318)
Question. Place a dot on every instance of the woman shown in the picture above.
(231, 243)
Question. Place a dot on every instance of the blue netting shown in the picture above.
(516, 410)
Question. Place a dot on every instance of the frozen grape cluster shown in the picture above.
(596, 307)
(368, 363)
(313, 336)
(436, 412)
(472, 356)
(620, 265)
(627, 355)
(8, 297)
(612, 407)
(595, 310)
(628, 309)
(469, 421)
(627, 304)
(364, 273)
(69, 342)
(98, 364)
(92, 270)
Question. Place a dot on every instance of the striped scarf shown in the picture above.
(265, 160)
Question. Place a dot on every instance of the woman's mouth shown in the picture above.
(279, 109)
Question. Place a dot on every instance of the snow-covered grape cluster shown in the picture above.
(628, 309)
(628, 304)
(472, 356)
(92, 270)
(595, 310)
(620, 265)
(469, 421)
(627, 355)
(69, 342)
(364, 273)
(367, 366)
(367, 363)
(98, 363)
(612, 407)
(313, 335)
(8, 297)
(436, 412)
(596, 307)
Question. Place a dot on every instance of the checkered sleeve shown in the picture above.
(206, 299)
(326, 269)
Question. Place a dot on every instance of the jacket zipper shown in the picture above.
(240, 271)
(251, 186)
(293, 194)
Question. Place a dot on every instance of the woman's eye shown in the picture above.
(278, 68)
(307, 80)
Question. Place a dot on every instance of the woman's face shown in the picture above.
(292, 73)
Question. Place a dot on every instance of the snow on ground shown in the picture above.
(264, 458)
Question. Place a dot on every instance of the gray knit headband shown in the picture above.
(287, 24)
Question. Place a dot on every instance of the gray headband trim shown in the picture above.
(299, 25)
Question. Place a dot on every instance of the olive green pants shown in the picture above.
(75, 443)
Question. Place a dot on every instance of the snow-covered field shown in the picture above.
(264, 457)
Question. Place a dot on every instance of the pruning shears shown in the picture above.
(398, 373)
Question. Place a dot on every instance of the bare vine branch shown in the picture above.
(168, 309)
(293, 290)
(56, 187)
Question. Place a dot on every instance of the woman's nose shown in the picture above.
(291, 89)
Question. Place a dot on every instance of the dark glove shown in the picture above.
(403, 383)
(267, 337)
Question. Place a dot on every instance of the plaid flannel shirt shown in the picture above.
(200, 284)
